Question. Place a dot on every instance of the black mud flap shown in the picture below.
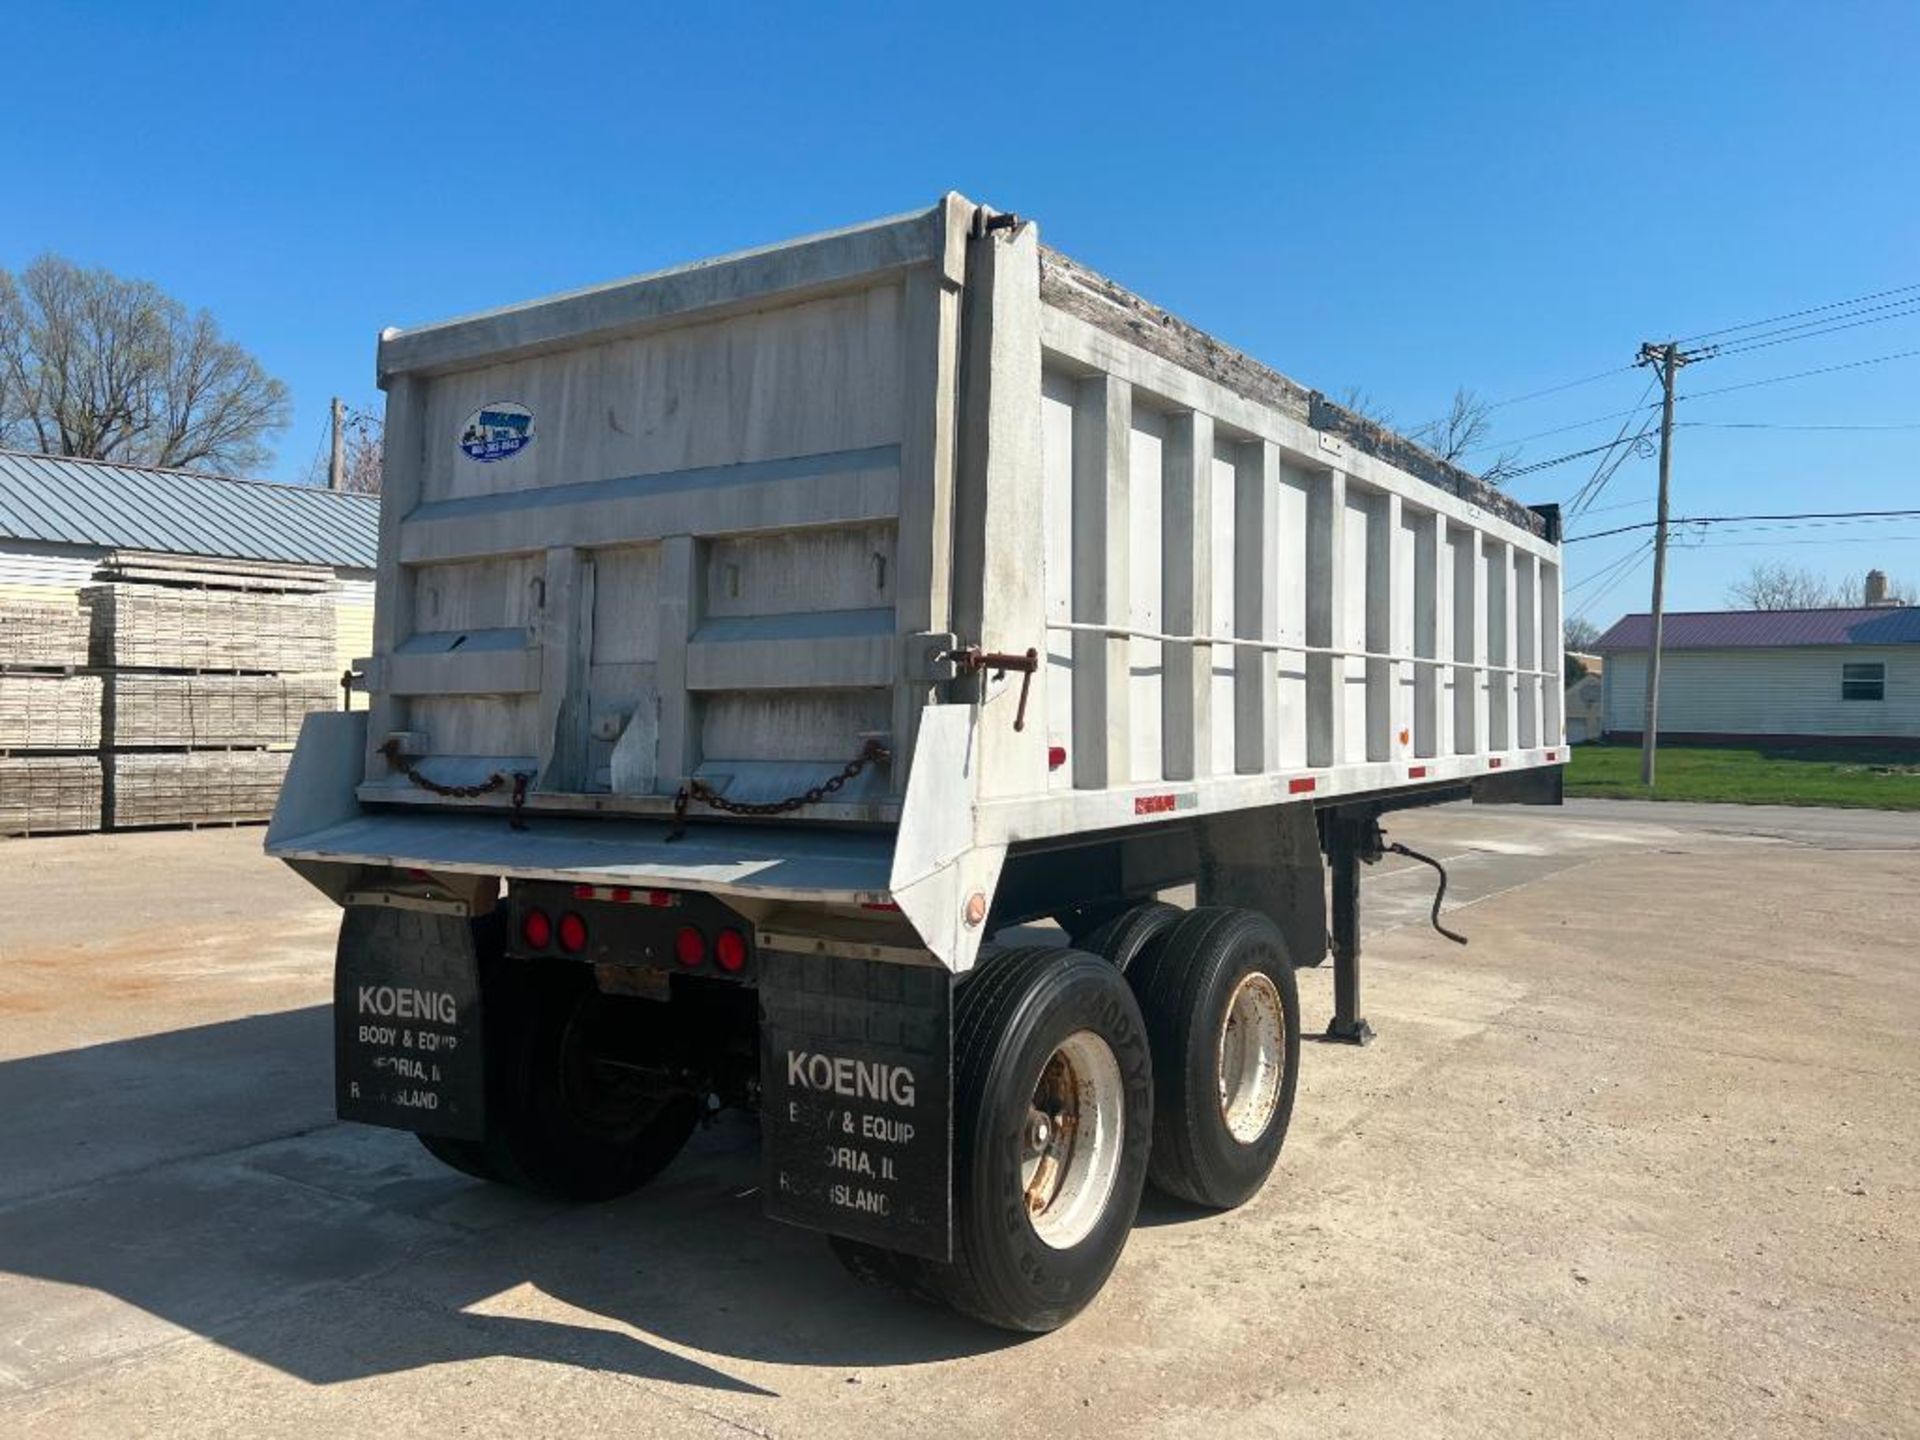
(856, 1099)
(1535, 785)
(406, 1023)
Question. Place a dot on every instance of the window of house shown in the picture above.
(1863, 682)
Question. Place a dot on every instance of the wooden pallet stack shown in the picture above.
(211, 665)
(50, 772)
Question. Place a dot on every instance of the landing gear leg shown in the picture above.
(1352, 838)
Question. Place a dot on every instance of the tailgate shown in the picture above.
(674, 528)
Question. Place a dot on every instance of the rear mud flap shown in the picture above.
(406, 1023)
(1535, 785)
(857, 1114)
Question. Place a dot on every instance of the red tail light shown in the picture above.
(536, 929)
(730, 950)
(690, 947)
(573, 933)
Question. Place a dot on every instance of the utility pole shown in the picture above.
(337, 466)
(1668, 357)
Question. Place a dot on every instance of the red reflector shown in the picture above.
(1301, 785)
(583, 892)
(1495, 763)
(879, 905)
(573, 933)
(621, 894)
(690, 947)
(1056, 756)
(662, 899)
(1553, 754)
(1416, 772)
(730, 950)
(536, 929)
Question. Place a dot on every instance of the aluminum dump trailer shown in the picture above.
(758, 643)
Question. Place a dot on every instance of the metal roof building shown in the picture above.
(1769, 629)
(53, 500)
(60, 517)
(1850, 672)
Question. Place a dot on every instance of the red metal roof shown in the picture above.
(1769, 629)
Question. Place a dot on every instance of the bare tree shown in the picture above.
(1775, 585)
(1580, 633)
(1462, 429)
(1359, 401)
(97, 366)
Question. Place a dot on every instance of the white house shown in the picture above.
(1779, 675)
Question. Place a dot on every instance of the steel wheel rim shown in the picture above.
(1070, 1148)
(1252, 1057)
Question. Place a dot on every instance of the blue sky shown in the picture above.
(1400, 197)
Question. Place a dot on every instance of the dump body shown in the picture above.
(696, 541)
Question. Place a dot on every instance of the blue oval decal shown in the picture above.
(497, 431)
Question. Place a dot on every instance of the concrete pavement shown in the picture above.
(1641, 1159)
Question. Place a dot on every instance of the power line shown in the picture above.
(1612, 565)
(1911, 294)
(1608, 467)
(1904, 305)
(1824, 540)
(1563, 459)
(1786, 337)
(1732, 519)
(1622, 505)
(1562, 429)
(1800, 375)
(1796, 314)
(1701, 395)
(1556, 389)
(1584, 495)
(1639, 556)
(1769, 425)
(1531, 395)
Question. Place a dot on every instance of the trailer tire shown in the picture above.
(1223, 1013)
(1059, 1027)
(556, 1126)
(1121, 940)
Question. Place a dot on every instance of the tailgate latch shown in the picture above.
(974, 660)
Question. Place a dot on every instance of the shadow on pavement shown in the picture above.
(198, 1175)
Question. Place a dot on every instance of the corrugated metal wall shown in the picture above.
(1766, 692)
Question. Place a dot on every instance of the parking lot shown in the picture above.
(1640, 1160)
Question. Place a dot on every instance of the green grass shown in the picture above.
(1810, 774)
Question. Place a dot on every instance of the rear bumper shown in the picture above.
(758, 863)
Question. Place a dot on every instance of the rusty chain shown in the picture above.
(518, 779)
(871, 753)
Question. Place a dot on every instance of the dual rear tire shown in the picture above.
(562, 1121)
(1223, 1018)
(1074, 1083)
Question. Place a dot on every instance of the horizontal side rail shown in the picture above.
(1290, 647)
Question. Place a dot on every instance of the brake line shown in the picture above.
(1396, 848)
